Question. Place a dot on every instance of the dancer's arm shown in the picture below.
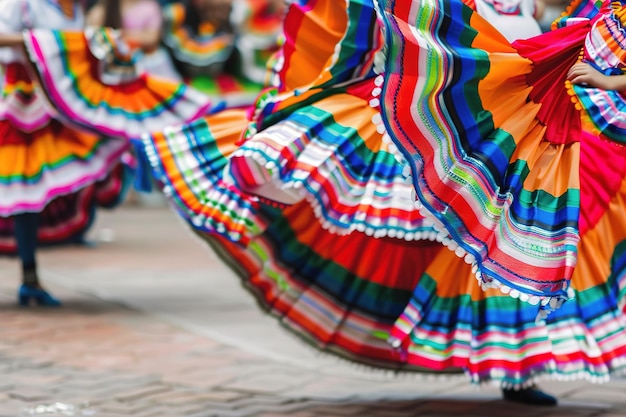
(540, 9)
(95, 16)
(148, 40)
(586, 74)
(11, 39)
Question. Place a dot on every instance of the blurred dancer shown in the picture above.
(141, 22)
(50, 169)
(553, 9)
(50, 173)
(515, 19)
(221, 47)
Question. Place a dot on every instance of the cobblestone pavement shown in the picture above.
(145, 332)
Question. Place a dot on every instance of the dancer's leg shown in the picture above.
(26, 226)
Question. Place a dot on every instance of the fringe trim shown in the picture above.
(341, 225)
(219, 227)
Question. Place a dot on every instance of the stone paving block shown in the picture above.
(123, 408)
(6, 385)
(564, 413)
(256, 410)
(450, 407)
(248, 367)
(584, 405)
(563, 388)
(200, 379)
(79, 402)
(396, 414)
(330, 387)
(191, 408)
(102, 389)
(312, 403)
(84, 375)
(319, 395)
(341, 410)
(217, 413)
(265, 401)
(31, 379)
(11, 408)
(30, 394)
(268, 383)
(482, 397)
(224, 396)
(93, 361)
(58, 408)
(390, 413)
(142, 393)
(265, 404)
(597, 395)
(174, 397)
(397, 405)
(512, 410)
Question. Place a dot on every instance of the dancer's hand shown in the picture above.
(147, 40)
(582, 73)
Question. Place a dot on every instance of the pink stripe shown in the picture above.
(28, 126)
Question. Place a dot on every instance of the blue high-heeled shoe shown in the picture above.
(39, 296)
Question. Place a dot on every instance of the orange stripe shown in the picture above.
(46, 146)
(318, 32)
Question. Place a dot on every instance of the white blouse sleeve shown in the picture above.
(11, 21)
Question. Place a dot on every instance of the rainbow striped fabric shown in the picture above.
(452, 322)
(37, 167)
(321, 287)
(326, 287)
(376, 298)
(48, 165)
(60, 172)
(100, 88)
(68, 217)
(189, 162)
(331, 290)
(22, 102)
(506, 198)
(577, 11)
(488, 162)
(329, 153)
(316, 136)
(319, 144)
